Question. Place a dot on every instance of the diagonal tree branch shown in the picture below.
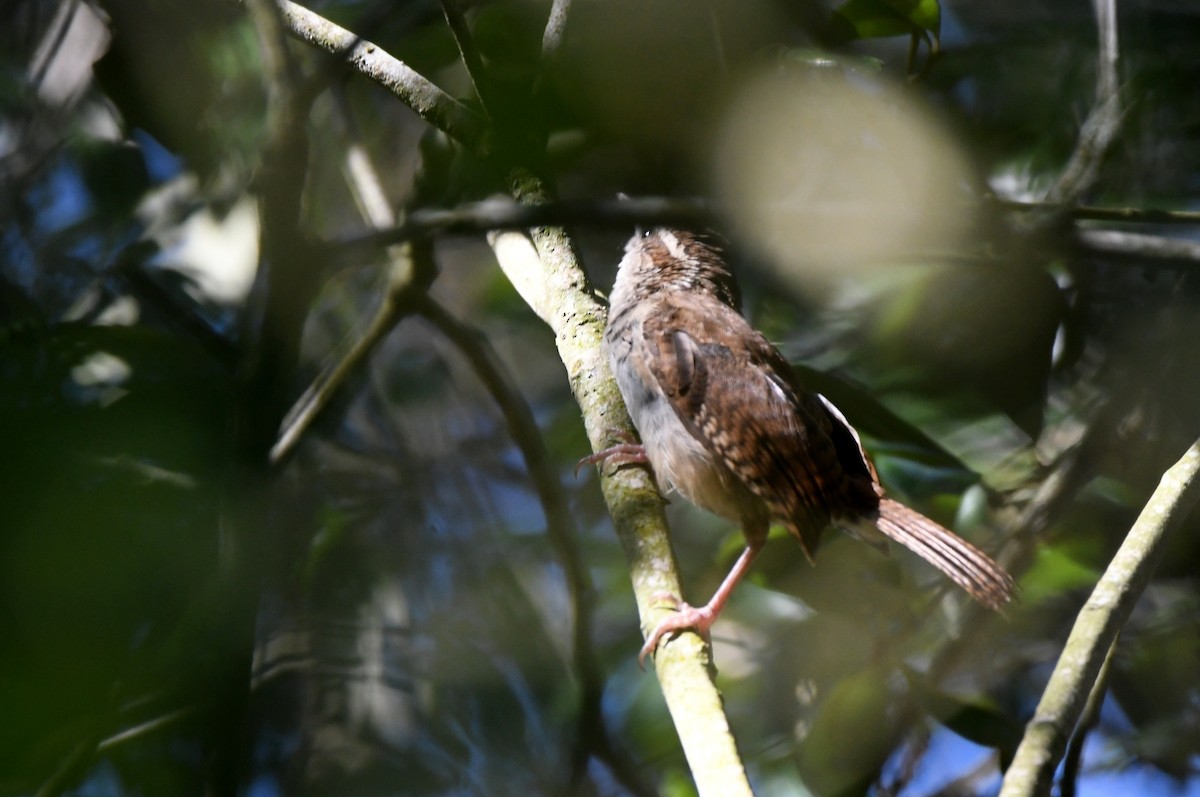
(545, 270)
(1100, 128)
(472, 60)
(412, 88)
(407, 275)
(1073, 759)
(1106, 610)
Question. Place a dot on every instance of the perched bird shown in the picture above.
(724, 422)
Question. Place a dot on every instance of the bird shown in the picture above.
(725, 423)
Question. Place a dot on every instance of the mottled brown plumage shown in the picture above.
(725, 424)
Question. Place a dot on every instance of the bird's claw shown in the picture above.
(686, 618)
(620, 454)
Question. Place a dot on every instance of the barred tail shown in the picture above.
(966, 565)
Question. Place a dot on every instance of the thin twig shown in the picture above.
(457, 22)
(401, 284)
(1032, 769)
(394, 306)
(361, 176)
(1100, 128)
(1069, 780)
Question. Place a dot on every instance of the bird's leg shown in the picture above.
(701, 619)
(625, 453)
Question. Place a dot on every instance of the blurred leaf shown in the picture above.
(1054, 572)
(871, 417)
(866, 19)
(115, 174)
(1154, 677)
(158, 46)
(974, 718)
(330, 535)
(851, 736)
(112, 441)
(953, 330)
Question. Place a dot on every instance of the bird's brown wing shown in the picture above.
(733, 391)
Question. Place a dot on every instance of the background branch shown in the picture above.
(593, 735)
(1097, 625)
(1139, 246)
(1100, 128)
(413, 89)
(492, 214)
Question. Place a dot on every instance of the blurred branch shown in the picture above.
(1096, 213)
(1100, 128)
(556, 29)
(504, 214)
(1138, 245)
(69, 771)
(469, 53)
(494, 214)
(561, 529)
(407, 275)
(544, 268)
(287, 279)
(413, 89)
(394, 305)
(1091, 715)
(1109, 605)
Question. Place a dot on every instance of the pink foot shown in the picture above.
(686, 618)
(622, 454)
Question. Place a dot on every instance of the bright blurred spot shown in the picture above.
(101, 368)
(830, 175)
(218, 252)
(99, 378)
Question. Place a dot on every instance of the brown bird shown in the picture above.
(724, 423)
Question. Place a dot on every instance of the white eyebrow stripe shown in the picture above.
(673, 245)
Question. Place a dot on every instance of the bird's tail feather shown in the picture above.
(962, 562)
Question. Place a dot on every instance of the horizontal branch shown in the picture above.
(505, 214)
(1097, 213)
(1139, 245)
(626, 213)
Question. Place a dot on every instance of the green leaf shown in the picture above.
(851, 735)
(868, 19)
(1054, 571)
(871, 417)
(975, 718)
